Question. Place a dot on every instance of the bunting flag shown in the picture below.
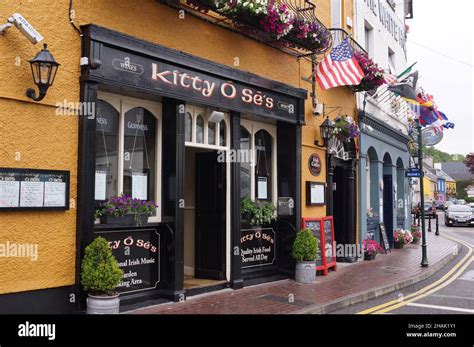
(339, 68)
(406, 88)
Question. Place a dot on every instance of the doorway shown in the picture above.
(388, 206)
(204, 219)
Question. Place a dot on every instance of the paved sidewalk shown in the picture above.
(349, 284)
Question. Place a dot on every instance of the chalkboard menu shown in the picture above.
(31, 189)
(329, 237)
(257, 247)
(138, 255)
(314, 224)
(323, 230)
(384, 238)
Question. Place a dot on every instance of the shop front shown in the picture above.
(384, 189)
(196, 137)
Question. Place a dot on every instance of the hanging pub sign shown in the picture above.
(31, 189)
(323, 230)
(431, 136)
(183, 82)
(138, 255)
(314, 164)
(257, 247)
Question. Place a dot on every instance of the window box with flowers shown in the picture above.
(308, 35)
(371, 249)
(345, 129)
(257, 213)
(373, 74)
(125, 210)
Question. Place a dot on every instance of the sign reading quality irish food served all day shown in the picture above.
(257, 247)
(33, 189)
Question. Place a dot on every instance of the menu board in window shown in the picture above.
(314, 224)
(26, 189)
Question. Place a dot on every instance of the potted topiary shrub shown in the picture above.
(100, 275)
(305, 252)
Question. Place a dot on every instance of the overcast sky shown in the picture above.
(446, 27)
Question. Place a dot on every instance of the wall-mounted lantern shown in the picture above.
(326, 128)
(43, 68)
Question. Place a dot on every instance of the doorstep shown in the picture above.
(348, 285)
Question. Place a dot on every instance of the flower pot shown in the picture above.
(103, 304)
(305, 271)
(126, 220)
(370, 256)
(398, 245)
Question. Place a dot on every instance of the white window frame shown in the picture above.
(123, 104)
(194, 111)
(253, 127)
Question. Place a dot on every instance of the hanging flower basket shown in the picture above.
(278, 20)
(345, 129)
(312, 36)
(373, 74)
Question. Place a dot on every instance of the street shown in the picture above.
(449, 291)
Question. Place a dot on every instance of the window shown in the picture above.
(139, 149)
(258, 173)
(199, 132)
(391, 61)
(128, 135)
(188, 127)
(336, 13)
(199, 129)
(263, 165)
(245, 172)
(369, 36)
(211, 133)
(106, 150)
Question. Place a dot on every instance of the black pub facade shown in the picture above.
(175, 128)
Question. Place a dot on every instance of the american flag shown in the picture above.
(339, 68)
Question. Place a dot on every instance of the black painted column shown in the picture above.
(330, 180)
(236, 281)
(173, 193)
(351, 201)
(85, 185)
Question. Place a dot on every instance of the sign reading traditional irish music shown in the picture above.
(257, 247)
(27, 189)
(201, 86)
(138, 255)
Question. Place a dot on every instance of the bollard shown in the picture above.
(429, 223)
(437, 225)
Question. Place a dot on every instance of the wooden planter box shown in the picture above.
(398, 245)
(369, 256)
(127, 220)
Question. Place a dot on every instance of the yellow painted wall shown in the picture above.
(48, 141)
(335, 97)
(429, 188)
